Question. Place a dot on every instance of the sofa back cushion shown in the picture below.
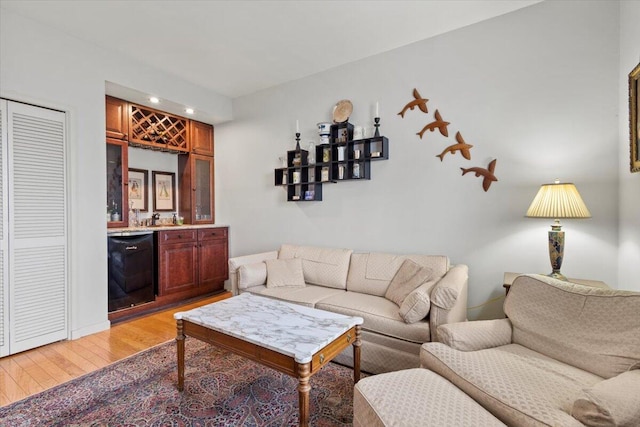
(594, 329)
(320, 266)
(371, 273)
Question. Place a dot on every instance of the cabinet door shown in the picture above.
(117, 121)
(117, 208)
(177, 267)
(196, 188)
(201, 135)
(212, 264)
(213, 256)
(203, 189)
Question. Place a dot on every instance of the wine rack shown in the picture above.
(157, 130)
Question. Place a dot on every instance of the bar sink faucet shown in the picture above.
(155, 217)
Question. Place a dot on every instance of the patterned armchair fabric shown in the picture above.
(594, 329)
(564, 357)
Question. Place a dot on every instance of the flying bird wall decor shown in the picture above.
(461, 145)
(487, 174)
(419, 102)
(438, 123)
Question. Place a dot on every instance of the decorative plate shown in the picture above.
(342, 111)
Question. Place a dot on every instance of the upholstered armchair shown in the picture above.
(566, 355)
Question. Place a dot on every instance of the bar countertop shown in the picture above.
(123, 231)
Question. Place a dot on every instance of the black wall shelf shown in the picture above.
(342, 159)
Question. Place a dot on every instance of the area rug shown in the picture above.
(221, 389)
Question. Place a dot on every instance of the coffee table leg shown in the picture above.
(180, 345)
(356, 354)
(303, 392)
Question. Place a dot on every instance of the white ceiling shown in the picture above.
(239, 47)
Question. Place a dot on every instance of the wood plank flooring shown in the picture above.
(32, 371)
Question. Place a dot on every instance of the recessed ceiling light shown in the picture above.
(154, 100)
(189, 110)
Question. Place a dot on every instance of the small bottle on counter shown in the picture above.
(132, 216)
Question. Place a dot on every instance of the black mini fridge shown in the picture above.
(131, 269)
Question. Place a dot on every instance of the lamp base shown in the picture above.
(558, 275)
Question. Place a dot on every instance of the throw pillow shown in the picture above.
(252, 275)
(417, 304)
(409, 276)
(613, 402)
(284, 272)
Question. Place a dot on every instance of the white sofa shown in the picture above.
(341, 281)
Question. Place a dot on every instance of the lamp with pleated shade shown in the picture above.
(557, 200)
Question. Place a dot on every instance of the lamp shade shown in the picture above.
(558, 200)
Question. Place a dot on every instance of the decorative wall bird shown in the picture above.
(463, 147)
(419, 102)
(488, 175)
(439, 124)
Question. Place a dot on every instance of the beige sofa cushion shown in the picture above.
(476, 335)
(380, 315)
(417, 304)
(415, 397)
(321, 266)
(409, 276)
(591, 328)
(518, 385)
(284, 273)
(252, 275)
(611, 403)
(371, 273)
(308, 295)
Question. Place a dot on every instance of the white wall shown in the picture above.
(48, 68)
(629, 254)
(536, 89)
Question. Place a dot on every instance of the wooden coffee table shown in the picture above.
(290, 338)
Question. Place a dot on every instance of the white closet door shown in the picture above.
(37, 227)
(4, 252)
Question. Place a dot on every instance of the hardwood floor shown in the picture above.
(32, 371)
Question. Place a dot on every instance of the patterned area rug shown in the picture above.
(221, 389)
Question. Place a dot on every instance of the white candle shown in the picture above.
(377, 109)
(297, 127)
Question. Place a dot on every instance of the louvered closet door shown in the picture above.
(37, 227)
(4, 253)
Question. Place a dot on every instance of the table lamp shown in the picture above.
(557, 200)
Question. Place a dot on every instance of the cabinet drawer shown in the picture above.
(177, 236)
(212, 233)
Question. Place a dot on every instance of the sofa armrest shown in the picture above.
(476, 335)
(237, 262)
(612, 402)
(449, 299)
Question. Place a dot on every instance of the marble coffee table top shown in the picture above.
(290, 329)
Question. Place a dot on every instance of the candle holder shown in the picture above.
(377, 125)
(297, 141)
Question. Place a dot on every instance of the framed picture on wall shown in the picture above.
(138, 189)
(164, 191)
(634, 118)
